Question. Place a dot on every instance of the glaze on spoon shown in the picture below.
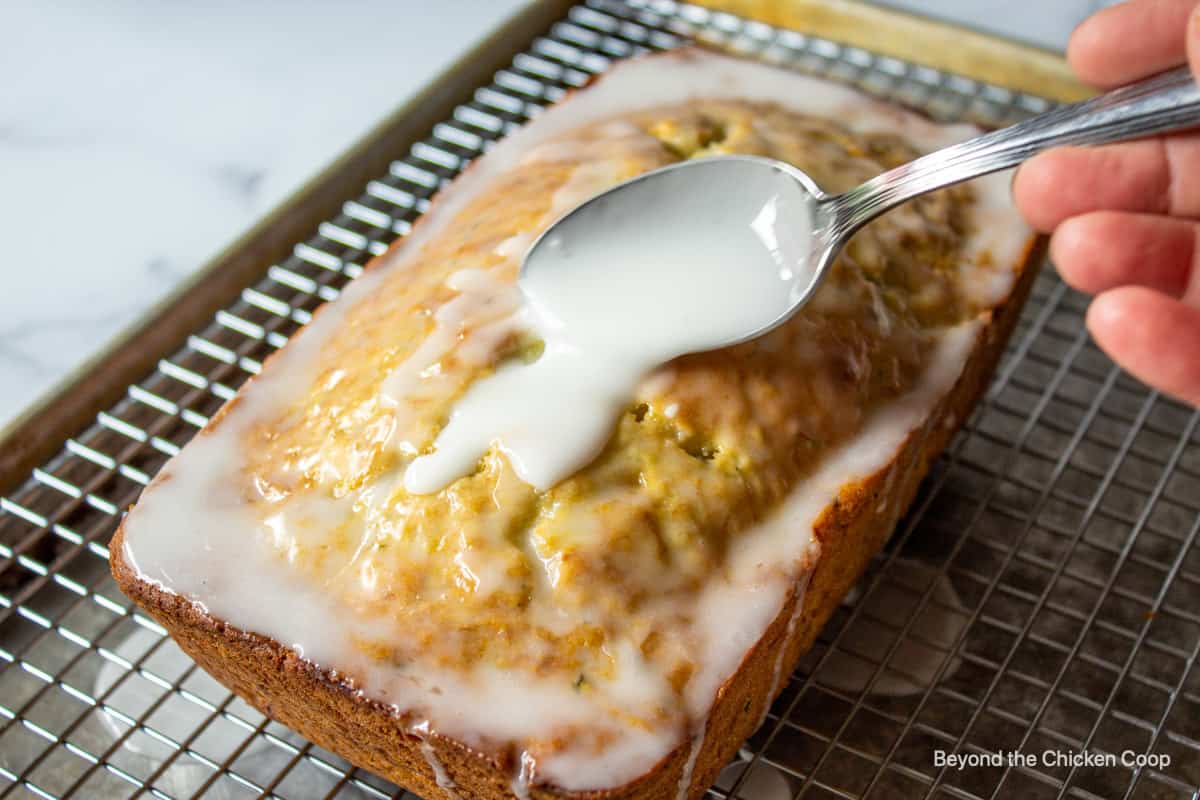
(675, 262)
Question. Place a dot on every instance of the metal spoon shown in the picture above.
(1166, 102)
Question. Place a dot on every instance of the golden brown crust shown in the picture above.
(317, 704)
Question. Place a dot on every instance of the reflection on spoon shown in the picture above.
(914, 664)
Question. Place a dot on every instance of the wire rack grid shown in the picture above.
(1038, 598)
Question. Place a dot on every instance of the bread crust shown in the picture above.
(325, 708)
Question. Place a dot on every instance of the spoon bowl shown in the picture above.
(744, 223)
(719, 219)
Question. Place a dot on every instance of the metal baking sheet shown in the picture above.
(1038, 599)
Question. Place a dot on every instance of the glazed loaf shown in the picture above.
(619, 634)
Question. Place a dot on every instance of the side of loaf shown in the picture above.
(620, 634)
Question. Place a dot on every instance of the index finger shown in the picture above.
(1130, 40)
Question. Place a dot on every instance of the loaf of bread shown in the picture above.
(619, 634)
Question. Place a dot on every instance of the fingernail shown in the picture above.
(1102, 314)
(1192, 41)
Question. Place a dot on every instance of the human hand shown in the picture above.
(1126, 217)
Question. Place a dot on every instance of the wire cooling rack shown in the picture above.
(1040, 598)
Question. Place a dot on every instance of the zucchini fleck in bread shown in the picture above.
(620, 634)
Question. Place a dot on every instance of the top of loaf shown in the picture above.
(593, 620)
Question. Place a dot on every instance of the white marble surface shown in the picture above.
(136, 139)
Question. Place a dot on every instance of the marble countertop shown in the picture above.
(137, 139)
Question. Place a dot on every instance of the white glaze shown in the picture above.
(689, 766)
(524, 778)
(440, 776)
(785, 645)
(191, 533)
(683, 262)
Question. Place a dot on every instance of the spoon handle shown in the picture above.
(1166, 102)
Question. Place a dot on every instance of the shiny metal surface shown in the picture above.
(1161, 104)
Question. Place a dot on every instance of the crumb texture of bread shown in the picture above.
(619, 634)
